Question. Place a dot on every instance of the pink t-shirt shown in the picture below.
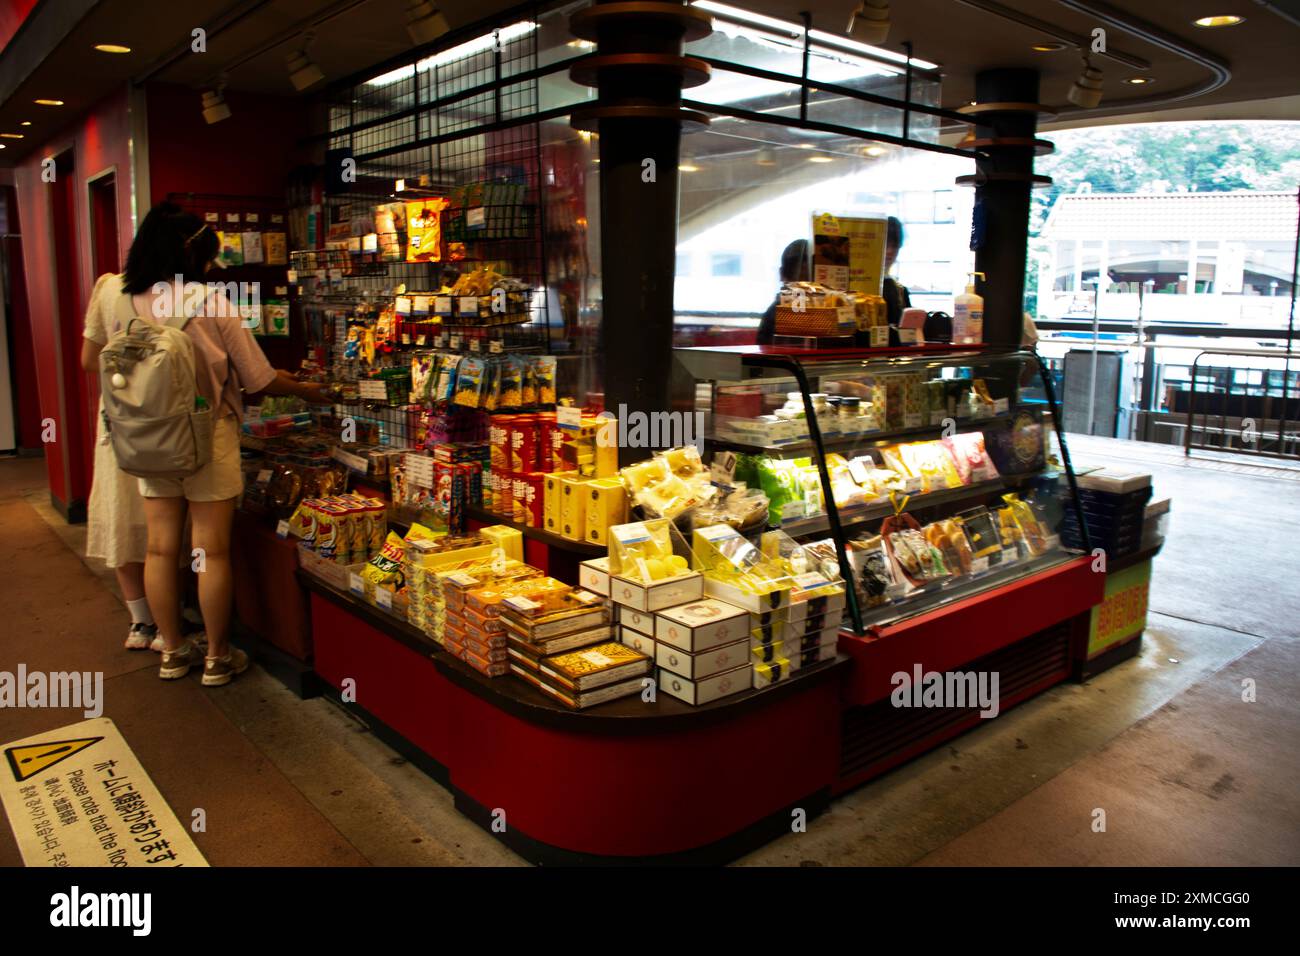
(228, 359)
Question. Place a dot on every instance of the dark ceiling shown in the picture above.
(1225, 72)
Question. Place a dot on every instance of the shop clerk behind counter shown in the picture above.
(796, 266)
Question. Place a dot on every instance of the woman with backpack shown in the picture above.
(172, 251)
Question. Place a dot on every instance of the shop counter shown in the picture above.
(627, 781)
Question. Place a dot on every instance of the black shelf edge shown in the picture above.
(625, 717)
(865, 438)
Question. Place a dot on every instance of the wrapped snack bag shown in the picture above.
(385, 568)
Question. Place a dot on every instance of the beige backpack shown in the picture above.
(158, 424)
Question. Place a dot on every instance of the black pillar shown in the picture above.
(639, 72)
(1004, 180)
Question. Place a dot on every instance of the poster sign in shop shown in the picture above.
(849, 252)
(1122, 614)
(77, 796)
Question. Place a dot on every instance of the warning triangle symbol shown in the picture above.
(30, 759)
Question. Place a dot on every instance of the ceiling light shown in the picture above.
(453, 54)
(1221, 21)
(25, 123)
(303, 73)
(687, 168)
(2, 146)
(11, 135)
(1086, 91)
(1140, 80)
(821, 158)
(869, 21)
(112, 48)
(581, 44)
(214, 107)
(49, 102)
(765, 157)
(874, 151)
(425, 22)
(1047, 47)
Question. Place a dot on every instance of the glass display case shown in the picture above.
(928, 475)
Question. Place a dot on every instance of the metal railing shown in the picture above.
(1259, 417)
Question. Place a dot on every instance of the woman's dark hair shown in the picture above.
(794, 262)
(894, 232)
(169, 242)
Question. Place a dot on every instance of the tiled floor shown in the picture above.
(1185, 770)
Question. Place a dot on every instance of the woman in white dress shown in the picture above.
(117, 531)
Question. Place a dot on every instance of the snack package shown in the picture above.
(385, 568)
(932, 463)
(952, 544)
(643, 551)
(1035, 536)
(544, 367)
(469, 382)
(970, 457)
(872, 574)
(981, 531)
(302, 523)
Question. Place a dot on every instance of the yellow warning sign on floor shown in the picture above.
(77, 796)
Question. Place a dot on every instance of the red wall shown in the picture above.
(249, 154)
(12, 15)
(22, 355)
(99, 141)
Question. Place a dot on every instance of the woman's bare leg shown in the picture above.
(211, 537)
(165, 518)
(130, 580)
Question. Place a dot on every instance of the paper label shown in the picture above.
(356, 583)
(1000, 406)
(264, 476)
(454, 342)
(913, 420)
(909, 336)
(597, 658)
(912, 485)
(292, 276)
(630, 533)
(384, 598)
(496, 347)
(282, 528)
(442, 304)
(723, 468)
(474, 345)
(979, 565)
(568, 416)
(858, 471)
(373, 389)
(521, 604)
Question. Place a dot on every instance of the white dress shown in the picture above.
(115, 514)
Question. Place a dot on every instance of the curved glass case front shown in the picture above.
(928, 476)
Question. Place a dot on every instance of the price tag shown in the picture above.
(384, 598)
(912, 485)
(439, 341)
(420, 304)
(282, 529)
(373, 389)
(1000, 406)
(336, 274)
(1010, 555)
(979, 565)
(474, 345)
(913, 420)
(723, 468)
(264, 476)
(909, 337)
(356, 584)
(879, 336)
(282, 290)
(858, 471)
(568, 416)
(476, 218)
(442, 305)
(496, 347)
(402, 305)
(467, 305)
(292, 276)
(1053, 542)
(455, 342)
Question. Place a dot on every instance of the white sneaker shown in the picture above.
(143, 637)
(158, 645)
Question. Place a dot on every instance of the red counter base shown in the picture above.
(678, 785)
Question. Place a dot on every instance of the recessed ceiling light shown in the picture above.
(1048, 47)
(875, 151)
(1140, 80)
(25, 123)
(11, 135)
(687, 168)
(49, 102)
(1229, 20)
(821, 158)
(2, 146)
(112, 48)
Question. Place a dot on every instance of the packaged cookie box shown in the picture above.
(663, 593)
(766, 653)
(707, 689)
(715, 660)
(752, 601)
(817, 654)
(630, 617)
(643, 643)
(765, 675)
(827, 602)
(701, 625)
(594, 576)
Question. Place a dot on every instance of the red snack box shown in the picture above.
(499, 441)
(525, 443)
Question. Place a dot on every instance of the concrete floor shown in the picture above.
(1186, 771)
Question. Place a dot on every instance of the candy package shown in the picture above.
(970, 457)
(643, 551)
(872, 575)
(385, 568)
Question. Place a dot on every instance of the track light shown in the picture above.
(214, 105)
(869, 21)
(765, 157)
(425, 22)
(303, 73)
(1086, 91)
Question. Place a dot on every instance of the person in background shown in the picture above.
(796, 266)
(896, 297)
(172, 243)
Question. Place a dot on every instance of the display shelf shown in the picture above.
(876, 510)
(841, 442)
(628, 715)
